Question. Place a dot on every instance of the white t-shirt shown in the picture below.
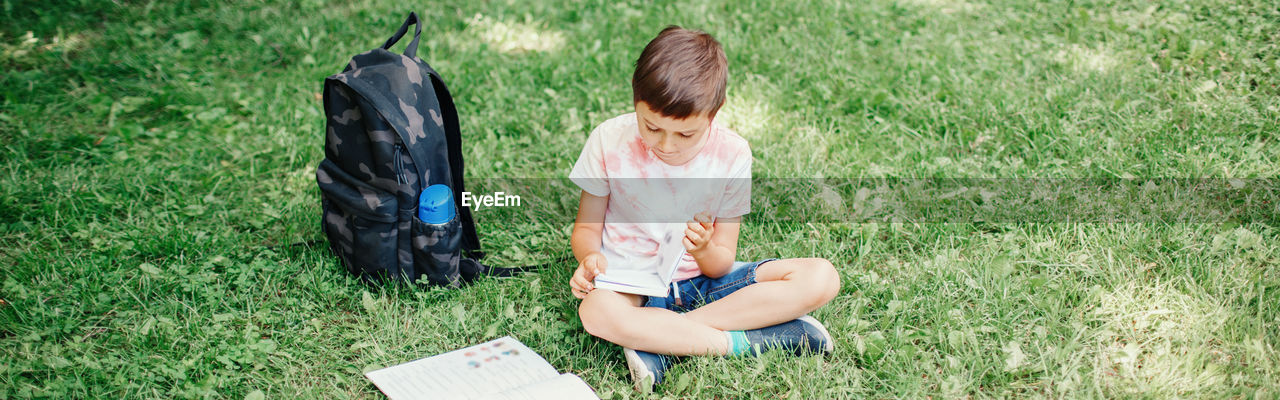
(647, 196)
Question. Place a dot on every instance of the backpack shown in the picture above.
(391, 130)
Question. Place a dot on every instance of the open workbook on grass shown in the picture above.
(500, 369)
(647, 277)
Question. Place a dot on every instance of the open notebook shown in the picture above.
(501, 369)
(620, 276)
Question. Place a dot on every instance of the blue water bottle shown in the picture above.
(435, 204)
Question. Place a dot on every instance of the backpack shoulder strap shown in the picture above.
(453, 135)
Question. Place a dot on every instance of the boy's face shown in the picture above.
(674, 141)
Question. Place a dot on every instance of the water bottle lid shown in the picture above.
(435, 205)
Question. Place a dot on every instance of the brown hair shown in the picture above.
(681, 73)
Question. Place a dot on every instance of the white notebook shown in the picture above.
(499, 369)
(646, 280)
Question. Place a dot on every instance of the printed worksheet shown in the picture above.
(502, 368)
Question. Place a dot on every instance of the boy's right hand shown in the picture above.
(591, 266)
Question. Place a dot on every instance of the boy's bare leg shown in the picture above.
(620, 318)
(785, 290)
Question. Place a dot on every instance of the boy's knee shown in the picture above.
(824, 282)
(597, 319)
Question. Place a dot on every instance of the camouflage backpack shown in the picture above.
(391, 131)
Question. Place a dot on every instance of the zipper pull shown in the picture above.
(399, 165)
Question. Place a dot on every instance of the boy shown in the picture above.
(629, 170)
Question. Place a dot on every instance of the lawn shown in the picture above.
(159, 217)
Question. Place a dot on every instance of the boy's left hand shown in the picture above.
(697, 233)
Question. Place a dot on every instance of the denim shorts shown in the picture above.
(699, 290)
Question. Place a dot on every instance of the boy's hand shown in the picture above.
(697, 233)
(592, 265)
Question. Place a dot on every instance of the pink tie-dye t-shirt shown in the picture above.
(648, 197)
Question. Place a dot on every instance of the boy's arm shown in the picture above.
(585, 242)
(718, 256)
(588, 226)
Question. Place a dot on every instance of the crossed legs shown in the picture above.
(784, 290)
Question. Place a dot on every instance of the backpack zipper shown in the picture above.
(399, 165)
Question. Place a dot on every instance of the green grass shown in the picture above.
(157, 174)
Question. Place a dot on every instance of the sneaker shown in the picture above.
(646, 368)
(804, 335)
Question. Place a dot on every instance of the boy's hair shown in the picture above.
(681, 73)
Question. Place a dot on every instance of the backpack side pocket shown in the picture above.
(435, 251)
(360, 222)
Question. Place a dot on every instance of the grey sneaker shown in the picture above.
(804, 335)
(646, 368)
